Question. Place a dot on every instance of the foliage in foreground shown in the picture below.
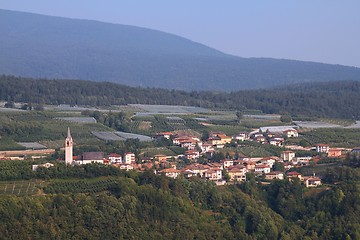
(97, 202)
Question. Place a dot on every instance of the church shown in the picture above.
(84, 158)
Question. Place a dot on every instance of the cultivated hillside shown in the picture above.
(51, 47)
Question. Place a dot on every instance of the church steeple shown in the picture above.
(68, 133)
(68, 148)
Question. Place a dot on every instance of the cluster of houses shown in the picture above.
(225, 171)
(232, 171)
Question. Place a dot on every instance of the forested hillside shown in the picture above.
(40, 46)
(102, 202)
(329, 99)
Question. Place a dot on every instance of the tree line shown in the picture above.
(328, 99)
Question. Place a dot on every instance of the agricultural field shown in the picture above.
(44, 128)
(107, 136)
(32, 145)
(93, 185)
(169, 109)
(336, 137)
(29, 187)
(151, 152)
(78, 119)
(49, 127)
(120, 136)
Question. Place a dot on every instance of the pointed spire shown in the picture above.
(68, 133)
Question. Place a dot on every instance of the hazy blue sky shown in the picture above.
(314, 30)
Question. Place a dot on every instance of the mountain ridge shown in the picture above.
(40, 46)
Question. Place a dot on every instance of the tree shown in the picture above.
(39, 107)
(278, 166)
(10, 104)
(205, 135)
(27, 106)
(239, 116)
(286, 118)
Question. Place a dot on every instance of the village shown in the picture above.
(230, 170)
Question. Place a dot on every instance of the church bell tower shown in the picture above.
(68, 148)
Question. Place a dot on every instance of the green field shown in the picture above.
(43, 127)
(29, 187)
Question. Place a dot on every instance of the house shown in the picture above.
(303, 160)
(213, 174)
(192, 154)
(294, 175)
(322, 148)
(125, 166)
(129, 158)
(288, 155)
(335, 152)
(90, 157)
(242, 136)
(219, 139)
(274, 175)
(115, 158)
(206, 147)
(197, 169)
(269, 161)
(227, 163)
(250, 166)
(254, 135)
(277, 141)
(215, 140)
(288, 165)
(215, 165)
(262, 169)
(312, 181)
(186, 141)
(166, 135)
(170, 172)
(188, 173)
(260, 139)
(161, 157)
(291, 133)
(224, 138)
(45, 165)
(148, 165)
(237, 173)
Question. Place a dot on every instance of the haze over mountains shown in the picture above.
(41, 46)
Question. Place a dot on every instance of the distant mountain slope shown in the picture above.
(51, 47)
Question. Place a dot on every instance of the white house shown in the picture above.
(312, 181)
(115, 158)
(276, 141)
(260, 169)
(170, 172)
(322, 148)
(45, 165)
(288, 155)
(227, 163)
(129, 158)
(274, 175)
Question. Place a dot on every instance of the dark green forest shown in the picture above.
(102, 202)
(328, 99)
